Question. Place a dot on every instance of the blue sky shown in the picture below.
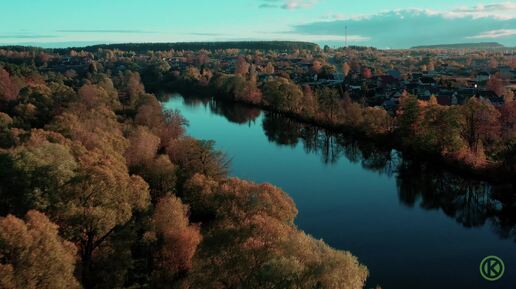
(380, 23)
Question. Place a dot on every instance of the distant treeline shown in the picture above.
(480, 45)
(20, 48)
(250, 45)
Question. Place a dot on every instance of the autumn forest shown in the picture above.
(101, 186)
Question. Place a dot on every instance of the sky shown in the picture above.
(380, 23)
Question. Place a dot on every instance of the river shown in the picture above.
(414, 226)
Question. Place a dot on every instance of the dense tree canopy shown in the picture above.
(102, 158)
(34, 256)
(252, 45)
(178, 240)
(256, 244)
(282, 94)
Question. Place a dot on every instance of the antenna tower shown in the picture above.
(346, 39)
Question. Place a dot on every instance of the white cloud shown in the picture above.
(288, 4)
(334, 16)
(499, 33)
(343, 16)
(505, 11)
(296, 4)
(415, 26)
(501, 11)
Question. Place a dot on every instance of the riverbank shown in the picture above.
(354, 194)
(493, 172)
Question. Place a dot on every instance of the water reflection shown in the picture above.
(470, 202)
(328, 145)
(240, 114)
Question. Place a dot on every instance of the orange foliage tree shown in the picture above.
(177, 238)
(34, 256)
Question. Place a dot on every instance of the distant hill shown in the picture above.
(251, 45)
(480, 45)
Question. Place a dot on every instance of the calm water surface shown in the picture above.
(413, 226)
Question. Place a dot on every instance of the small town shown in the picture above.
(367, 75)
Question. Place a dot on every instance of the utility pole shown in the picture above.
(346, 38)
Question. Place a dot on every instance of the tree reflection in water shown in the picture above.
(236, 113)
(471, 202)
